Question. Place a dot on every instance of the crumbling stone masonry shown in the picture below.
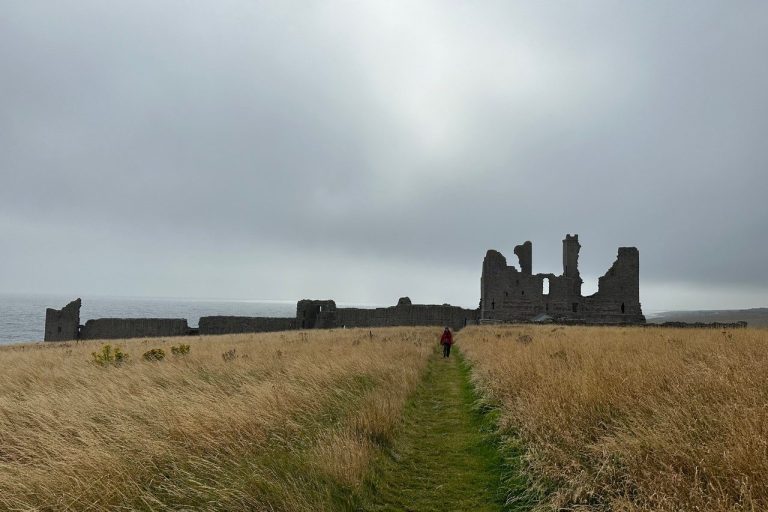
(310, 314)
(313, 314)
(63, 324)
(508, 294)
(240, 324)
(119, 328)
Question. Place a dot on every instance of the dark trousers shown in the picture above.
(446, 350)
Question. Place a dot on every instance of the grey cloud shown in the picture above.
(368, 148)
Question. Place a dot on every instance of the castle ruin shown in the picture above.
(62, 325)
(511, 295)
(506, 295)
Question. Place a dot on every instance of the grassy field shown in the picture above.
(631, 418)
(281, 422)
(541, 417)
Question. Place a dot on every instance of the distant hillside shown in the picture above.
(756, 317)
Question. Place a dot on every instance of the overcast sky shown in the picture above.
(367, 150)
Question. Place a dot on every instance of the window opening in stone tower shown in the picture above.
(622, 307)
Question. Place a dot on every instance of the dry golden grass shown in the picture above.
(632, 418)
(289, 424)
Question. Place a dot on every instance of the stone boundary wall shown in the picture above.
(118, 328)
(587, 323)
(241, 324)
(701, 325)
(451, 316)
(61, 325)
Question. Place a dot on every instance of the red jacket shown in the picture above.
(447, 338)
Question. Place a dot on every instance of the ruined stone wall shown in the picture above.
(63, 324)
(495, 280)
(406, 314)
(512, 296)
(310, 314)
(524, 253)
(571, 249)
(323, 314)
(509, 295)
(117, 328)
(315, 314)
(241, 324)
(618, 296)
(703, 325)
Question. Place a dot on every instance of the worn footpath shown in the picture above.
(444, 457)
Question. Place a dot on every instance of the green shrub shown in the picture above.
(155, 354)
(181, 350)
(107, 355)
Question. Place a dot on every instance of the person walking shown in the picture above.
(446, 341)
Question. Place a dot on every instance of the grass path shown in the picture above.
(444, 457)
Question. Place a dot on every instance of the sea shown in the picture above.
(22, 317)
